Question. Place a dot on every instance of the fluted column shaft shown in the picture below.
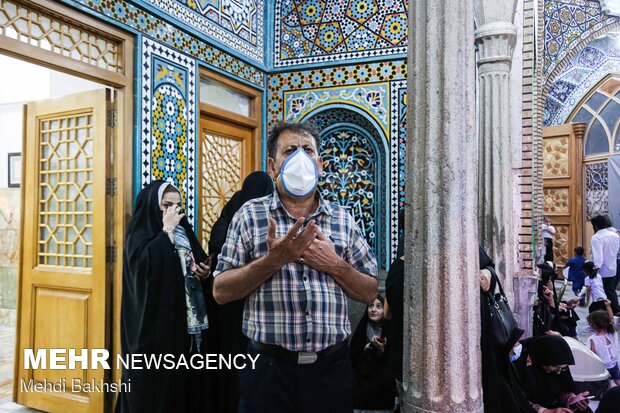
(497, 217)
(442, 320)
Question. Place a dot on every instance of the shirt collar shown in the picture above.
(325, 206)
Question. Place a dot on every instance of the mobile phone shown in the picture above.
(574, 403)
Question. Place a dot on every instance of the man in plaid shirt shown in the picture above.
(295, 258)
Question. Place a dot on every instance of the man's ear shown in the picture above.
(320, 166)
(271, 167)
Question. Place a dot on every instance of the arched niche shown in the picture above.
(355, 170)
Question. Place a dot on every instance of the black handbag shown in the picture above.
(503, 321)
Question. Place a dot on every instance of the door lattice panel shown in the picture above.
(221, 177)
(66, 191)
(48, 32)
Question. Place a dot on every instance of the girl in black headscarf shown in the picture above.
(224, 336)
(163, 309)
(543, 370)
(375, 388)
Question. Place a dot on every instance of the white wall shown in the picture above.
(28, 82)
(11, 122)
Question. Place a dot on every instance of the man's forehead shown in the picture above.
(289, 138)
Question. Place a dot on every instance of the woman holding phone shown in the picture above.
(547, 381)
(163, 310)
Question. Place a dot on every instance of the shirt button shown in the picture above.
(305, 278)
(307, 312)
(308, 340)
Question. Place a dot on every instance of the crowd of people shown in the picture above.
(282, 262)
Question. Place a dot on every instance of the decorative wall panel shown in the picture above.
(555, 157)
(235, 23)
(372, 99)
(566, 23)
(556, 201)
(398, 126)
(144, 22)
(361, 74)
(314, 31)
(350, 177)
(596, 189)
(168, 121)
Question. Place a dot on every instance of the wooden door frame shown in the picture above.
(573, 182)
(121, 142)
(253, 121)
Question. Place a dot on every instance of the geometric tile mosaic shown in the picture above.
(168, 119)
(360, 74)
(236, 23)
(315, 31)
(398, 132)
(593, 63)
(146, 23)
(566, 22)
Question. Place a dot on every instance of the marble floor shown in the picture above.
(7, 354)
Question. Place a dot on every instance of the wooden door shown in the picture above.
(225, 160)
(563, 186)
(63, 284)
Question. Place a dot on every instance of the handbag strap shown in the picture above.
(495, 279)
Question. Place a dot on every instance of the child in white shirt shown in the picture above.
(594, 287)
(604, 342)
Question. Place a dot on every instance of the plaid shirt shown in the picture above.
(298, 308)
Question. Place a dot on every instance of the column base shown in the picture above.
(410, 408)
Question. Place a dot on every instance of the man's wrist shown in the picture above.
(272, 261)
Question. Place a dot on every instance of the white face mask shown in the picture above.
(299, 174)
(517, 354)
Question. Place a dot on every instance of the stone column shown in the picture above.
(495, 37)
(441, 365)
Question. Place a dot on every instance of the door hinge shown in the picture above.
(112, 118)
(110, 254)
(111, 186)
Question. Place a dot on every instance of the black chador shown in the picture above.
(154, 311)
(224, 335)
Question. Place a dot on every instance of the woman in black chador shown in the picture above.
(501, 389)
(163, 309)
(224, 335)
